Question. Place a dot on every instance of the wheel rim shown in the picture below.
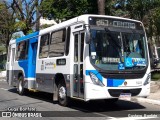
(62, 92)
(20, 86)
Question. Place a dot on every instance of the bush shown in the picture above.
(155, 75)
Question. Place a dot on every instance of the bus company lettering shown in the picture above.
(50, 65)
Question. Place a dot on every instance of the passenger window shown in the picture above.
(22, 50)
(76, 48)
(67, 41)
(57, 43)
(82, 46)
(44, 46)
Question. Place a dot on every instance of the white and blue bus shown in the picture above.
(89, 57)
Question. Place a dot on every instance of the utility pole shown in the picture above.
(101, 7)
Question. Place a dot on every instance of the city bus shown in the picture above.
(89, 57)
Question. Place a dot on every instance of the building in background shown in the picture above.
(44, 22)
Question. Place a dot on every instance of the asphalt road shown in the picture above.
(40, 104)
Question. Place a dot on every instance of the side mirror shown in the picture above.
(88, 35)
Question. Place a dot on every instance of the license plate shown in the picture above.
(125, 96)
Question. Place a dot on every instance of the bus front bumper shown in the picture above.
(95, 92)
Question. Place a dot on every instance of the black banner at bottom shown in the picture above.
(153, 114)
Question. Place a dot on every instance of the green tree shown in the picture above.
(17, 15)
(155, 25)
(25, 11)
(146, 11)
(63, 9)
(66, 9)
(7, 22)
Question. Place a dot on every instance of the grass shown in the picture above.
(2, 49)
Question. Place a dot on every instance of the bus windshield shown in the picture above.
(117, 49)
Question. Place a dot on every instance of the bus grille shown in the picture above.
(117, 92)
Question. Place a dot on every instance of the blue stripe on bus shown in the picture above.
(114, 82)
(24, 64)
(110, 82)
(27, 36)
(98, 75)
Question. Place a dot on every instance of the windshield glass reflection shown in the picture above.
(114, 50)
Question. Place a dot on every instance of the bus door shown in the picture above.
(78, 79)
(34, 47)
(10, 66)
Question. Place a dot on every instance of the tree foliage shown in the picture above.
(63, 9)
(147, 11)
(17, 15)
(66, 9)
(25, 11)
(7, 22)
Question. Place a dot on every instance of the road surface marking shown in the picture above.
(4, 89)
(100, 114)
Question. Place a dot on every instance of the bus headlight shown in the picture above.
(147, 79)
(95, 80)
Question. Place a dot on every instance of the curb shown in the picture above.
(151, 101)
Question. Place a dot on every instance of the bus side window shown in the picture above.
(22, 50)
(57, 44)
(76, 48)
(82, 46)
(44, 46)
(67, 41)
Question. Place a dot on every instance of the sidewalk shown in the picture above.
(2, 74)
(155, 90)
(154, 97)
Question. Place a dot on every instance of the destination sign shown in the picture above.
(111, 22)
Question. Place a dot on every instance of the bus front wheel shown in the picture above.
(62, 95)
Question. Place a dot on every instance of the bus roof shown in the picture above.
(80, 18)
(27, 36)
(105, 16)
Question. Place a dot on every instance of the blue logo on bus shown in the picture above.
(121, 66)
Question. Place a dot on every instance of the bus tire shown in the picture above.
(20, 88)
(63, 100)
